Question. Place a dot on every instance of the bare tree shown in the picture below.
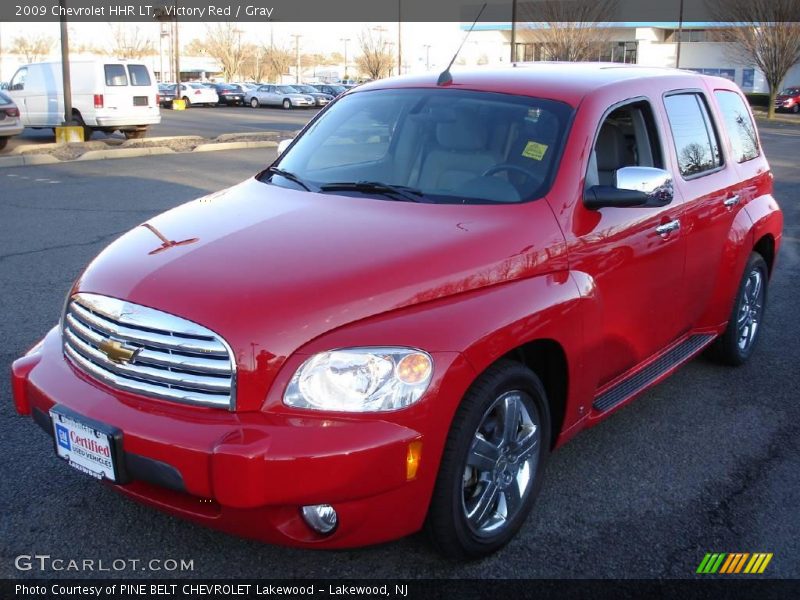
(277, 60)
(33, 47)
(129, 41)
(375, 60)
(253, 65)
(766, 34)
(568, 30)
(224, 43)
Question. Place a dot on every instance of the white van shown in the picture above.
(107, 95)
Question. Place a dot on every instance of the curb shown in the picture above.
(23, 160)
(235, 146)
(28, 158)
(121, 153)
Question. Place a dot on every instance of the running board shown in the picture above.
(641, 379)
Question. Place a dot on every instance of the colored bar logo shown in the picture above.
(727, 563)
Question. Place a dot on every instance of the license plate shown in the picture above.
(86, 445)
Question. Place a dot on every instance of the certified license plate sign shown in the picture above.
(83, 445)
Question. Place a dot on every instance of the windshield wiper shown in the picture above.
(291, 177)
(388, 189)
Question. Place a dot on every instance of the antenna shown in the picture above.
(444, 77)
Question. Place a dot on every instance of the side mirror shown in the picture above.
(634, 187)
(283, 145)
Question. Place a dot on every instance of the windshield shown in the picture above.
(451, 146)
(790, 92)
(286, 89)
(306, 89)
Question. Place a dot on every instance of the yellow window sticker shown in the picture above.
(534, 150)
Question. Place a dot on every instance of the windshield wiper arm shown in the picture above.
(407, 193)
(291, 177)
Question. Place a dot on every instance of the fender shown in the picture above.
(469, 326)
(767, 220)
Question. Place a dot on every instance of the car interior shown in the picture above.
(463, 149)
(627, 138)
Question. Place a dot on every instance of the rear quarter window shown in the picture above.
(140, 76)
(741, 129)
(116, 75)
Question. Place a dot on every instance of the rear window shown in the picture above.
(116, 75)
(741, 130)
(139, 75)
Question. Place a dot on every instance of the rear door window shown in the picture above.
(696, 142)
(140, 76)
(741, 130)
(116, 75)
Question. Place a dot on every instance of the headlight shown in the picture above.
(360, 380)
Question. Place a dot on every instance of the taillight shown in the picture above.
(158, 99)
(12, 112)
(98, 100)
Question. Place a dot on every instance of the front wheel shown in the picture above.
(738, 341)
(254, 102)
(287, 104)
(796, 108)
(187, 102)
(3, 141)
(492, 465)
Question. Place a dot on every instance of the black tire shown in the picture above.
(796, 108)
(452, 530)
(3, 141)
(87, 131)
(254, 102)
(187, 103)
(287, 104)
(737, 342)
(134, 134)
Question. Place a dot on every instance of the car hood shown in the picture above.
(270, 269)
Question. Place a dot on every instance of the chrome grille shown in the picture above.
(172, 358)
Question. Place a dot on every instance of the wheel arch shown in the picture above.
(548, 360)
(765, 246)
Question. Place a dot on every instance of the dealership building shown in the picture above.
(649, 44)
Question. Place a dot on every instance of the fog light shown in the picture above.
(320, 517)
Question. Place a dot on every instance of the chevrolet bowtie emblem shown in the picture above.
(116, 352)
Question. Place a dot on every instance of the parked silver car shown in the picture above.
(320, 98)
(10, 123)
(278, 95)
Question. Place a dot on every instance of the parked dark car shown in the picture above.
(320, 98)
(10, 123)
(166, 94)
(332, 89)
(789, 99)
(230, 93)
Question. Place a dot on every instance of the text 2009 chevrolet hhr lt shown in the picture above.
(432, 287)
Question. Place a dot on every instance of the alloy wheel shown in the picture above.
(750, 310)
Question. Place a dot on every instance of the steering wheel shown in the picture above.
(511, 167)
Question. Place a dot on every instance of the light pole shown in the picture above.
(345, 40)
(297, 37)
(399, 38)
(427, 57)
(65, 74)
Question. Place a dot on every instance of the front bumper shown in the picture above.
(245, 473)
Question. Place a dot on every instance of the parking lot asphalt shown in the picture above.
(206, 121)
(708, 461)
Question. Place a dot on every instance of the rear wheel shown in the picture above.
(738, 341)
(3, 142)
(254, 102)
(287, 104)
(491, 469)
(87, 131)
(187, 102)
(135, 134)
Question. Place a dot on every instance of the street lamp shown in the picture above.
(427, 57)
(345, 40)
(297, 37)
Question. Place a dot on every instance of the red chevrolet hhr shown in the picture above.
(432, 287)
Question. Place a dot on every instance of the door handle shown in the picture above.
(667, 228)
(732, 201)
